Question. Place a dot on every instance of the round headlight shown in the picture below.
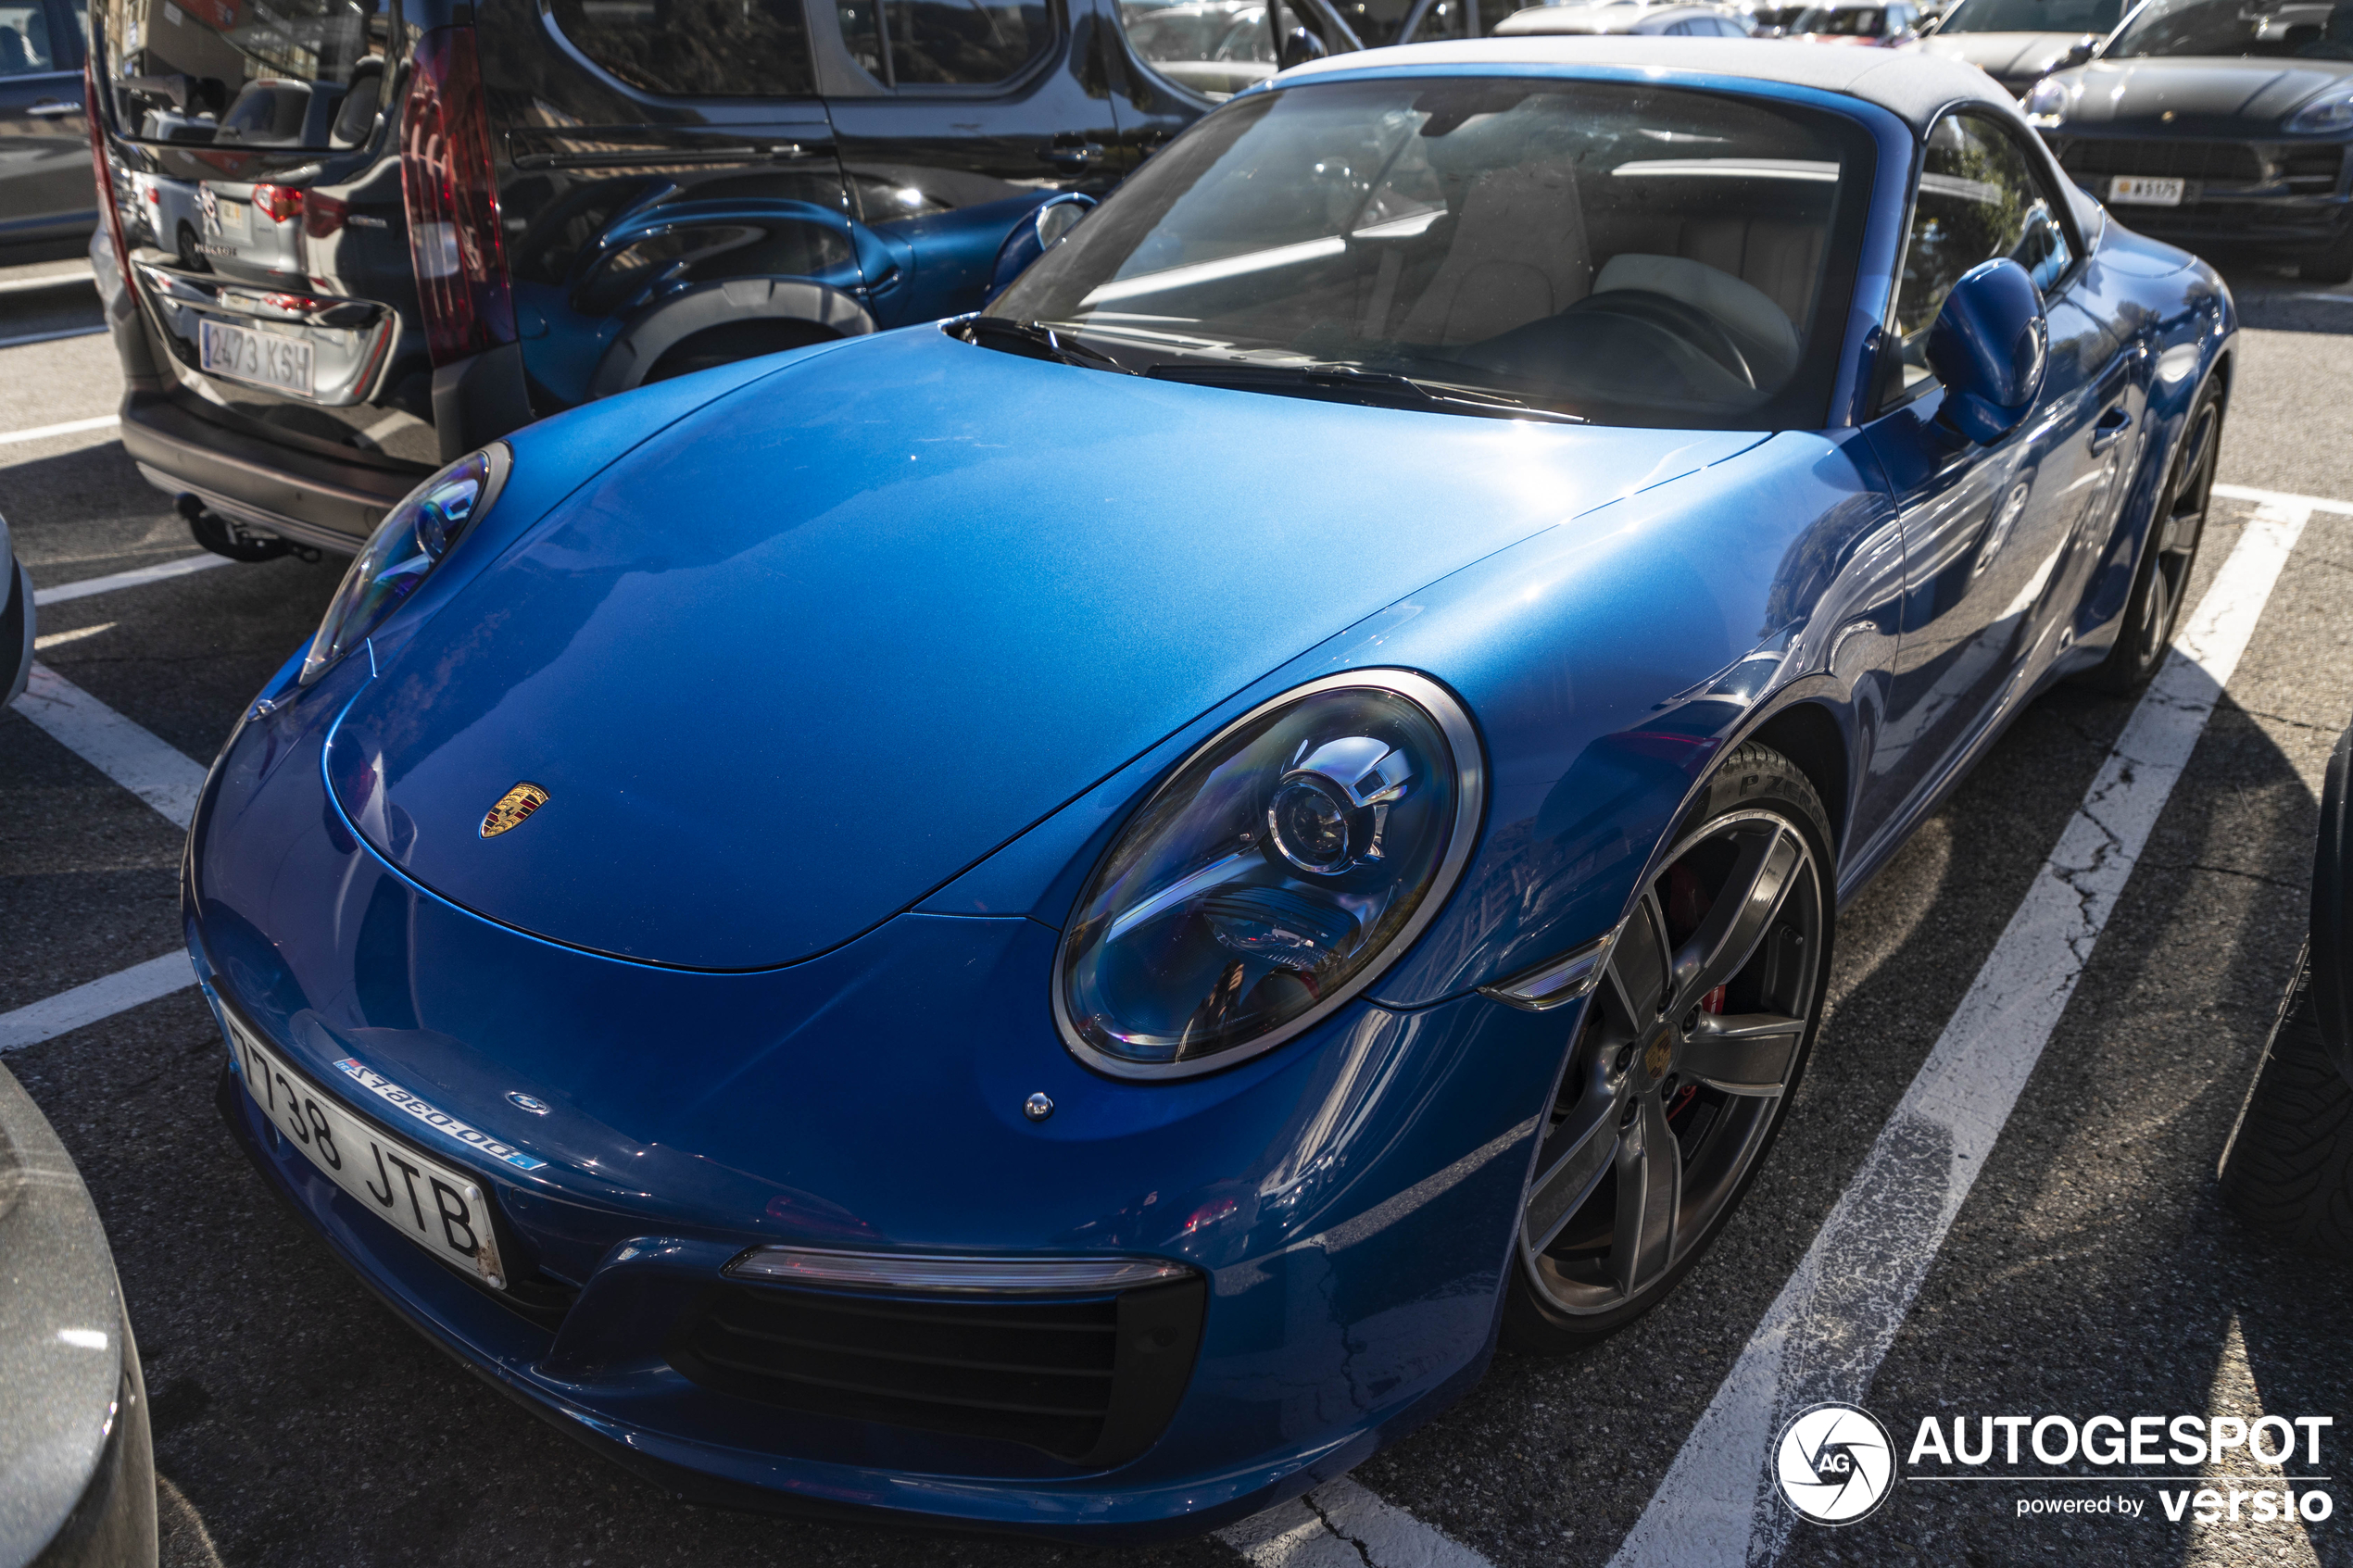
(1289, 859)
(410, 543)
(2046, 104)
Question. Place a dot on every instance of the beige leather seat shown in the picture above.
(1779, 258)
(1519, 256)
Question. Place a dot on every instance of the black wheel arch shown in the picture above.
(669, 322)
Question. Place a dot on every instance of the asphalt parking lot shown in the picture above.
(2090, 1267)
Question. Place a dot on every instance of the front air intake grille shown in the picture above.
(1091, 1381)
(2311, 169)
(2228, 163)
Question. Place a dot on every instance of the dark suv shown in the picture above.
(358, 238)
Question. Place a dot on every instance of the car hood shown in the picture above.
(2203, 95)
(820, 646)
(2005, 56)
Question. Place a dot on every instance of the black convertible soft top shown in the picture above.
(1911, 85)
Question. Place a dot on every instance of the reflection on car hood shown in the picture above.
(806, 655)
(2199, 92)
(2005, 56)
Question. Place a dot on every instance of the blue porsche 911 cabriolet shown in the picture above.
(1059, 921)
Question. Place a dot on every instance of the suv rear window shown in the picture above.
(695, 48)
(291, 73)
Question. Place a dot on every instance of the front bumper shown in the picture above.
(1347, 1200)
(2288, 197)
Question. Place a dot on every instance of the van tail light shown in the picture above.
(452, 197)
(91, 106)
(279, 202)
(322, 216)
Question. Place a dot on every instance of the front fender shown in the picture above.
(2200, 323)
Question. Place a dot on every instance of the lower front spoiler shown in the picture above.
(465, 1322)
(2287, 227)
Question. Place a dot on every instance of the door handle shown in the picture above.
(1072, 156)
(52, 109)
(2111, 427)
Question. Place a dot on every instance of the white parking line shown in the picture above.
(1340, 1525)
(71, 427)
(49, 337)
(2281, 498)
(1825, 1335)
(52, 1016)
(112, 744)
(49, 281)
(161, 572)
(55, 639)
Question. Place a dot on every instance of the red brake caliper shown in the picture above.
(1711, 1003)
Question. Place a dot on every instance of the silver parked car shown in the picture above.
(77, 1468)
(16, 621)
(2020, 41)
(1626, 17)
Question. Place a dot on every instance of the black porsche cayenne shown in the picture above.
(2217, 125)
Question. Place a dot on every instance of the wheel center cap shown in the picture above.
(1658, 1055)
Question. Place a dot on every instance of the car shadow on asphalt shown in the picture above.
(2273, 299)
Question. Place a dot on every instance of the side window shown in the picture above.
(1978, 199)
(945, 43)
(695, 48)
(25, 38)
(75, 44)
(1212, 47)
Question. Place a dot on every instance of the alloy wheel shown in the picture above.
(2180, 530)
(1690, 1044)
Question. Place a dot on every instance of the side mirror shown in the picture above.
(1035, 235)
(1990, 346)
(1301, 46)
(2078, 52)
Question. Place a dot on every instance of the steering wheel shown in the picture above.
(1685, 322)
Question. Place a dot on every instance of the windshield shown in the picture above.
(1619, 252)
(2032, 15)
(2236, 27)
(1841, 21)
(284, 73)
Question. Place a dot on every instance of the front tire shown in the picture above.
(2169, 556)
(1686, 1055)
(2333, 265)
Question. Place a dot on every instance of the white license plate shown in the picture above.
(2144, 190)
(235, 218)
(267, 360)
(442, 1210)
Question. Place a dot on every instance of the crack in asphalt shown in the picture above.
(1363, 1550)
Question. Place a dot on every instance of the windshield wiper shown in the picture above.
(1035, 337)
(1349, 383)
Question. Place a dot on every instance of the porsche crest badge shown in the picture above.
(512, 808)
